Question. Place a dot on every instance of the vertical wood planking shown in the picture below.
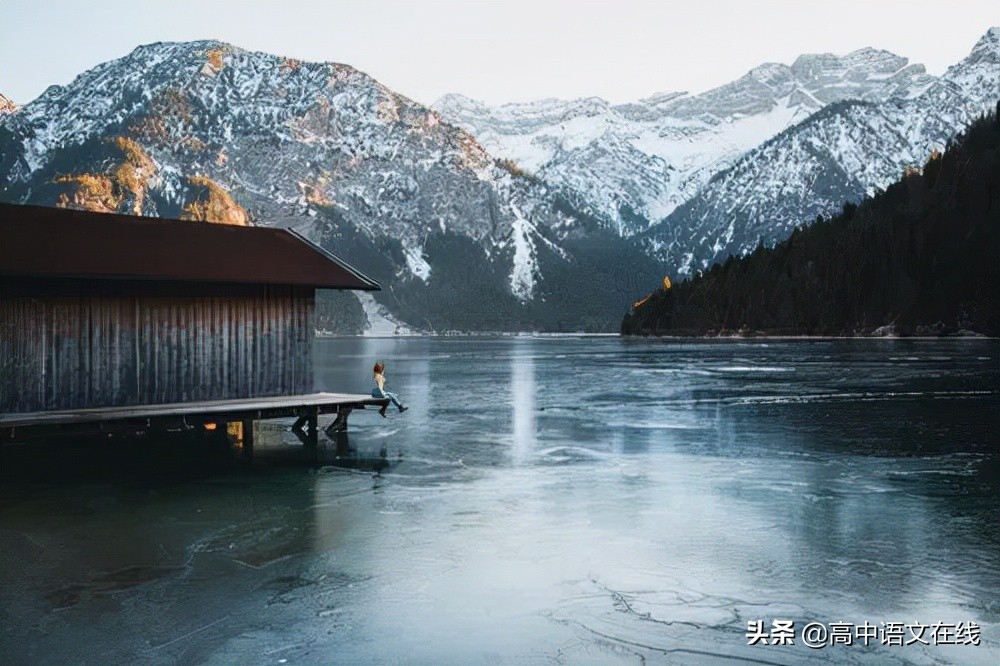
(308, 333)
(95, 351)
(23, 342)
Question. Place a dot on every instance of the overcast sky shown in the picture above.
(497, 51)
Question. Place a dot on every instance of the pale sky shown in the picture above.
(496, 51)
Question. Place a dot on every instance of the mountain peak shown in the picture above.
(166, 49)
(662, 98)
(459, 99)
(865, 62)
(770, 72)
(7, 106)
(216, 53)
(987, 49)
(978, 74)
(878, 59)
(194, 45)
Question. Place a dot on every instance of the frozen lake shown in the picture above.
(549, 501)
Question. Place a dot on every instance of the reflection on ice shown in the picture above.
(522, 395)
(579, 521)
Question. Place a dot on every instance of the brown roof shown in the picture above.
(58, 242)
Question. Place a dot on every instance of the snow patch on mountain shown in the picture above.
(380, 322)
(525, 266)
(416, 262)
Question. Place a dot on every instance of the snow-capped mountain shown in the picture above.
(635, 163)
(207, 131)
(838, 155)
(555, 230)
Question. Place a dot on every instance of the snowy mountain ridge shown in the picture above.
(635, 163)
(840, 154)
(585, 205)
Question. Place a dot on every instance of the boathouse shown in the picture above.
(104, 317)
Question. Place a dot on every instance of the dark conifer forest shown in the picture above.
(920, 258)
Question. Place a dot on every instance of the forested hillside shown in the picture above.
(922, 257)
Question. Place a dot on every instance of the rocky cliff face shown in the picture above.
(7, 106)
(207, 131)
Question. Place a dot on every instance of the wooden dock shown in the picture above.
(305, 408)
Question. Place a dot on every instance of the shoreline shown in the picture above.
(977, 337)
(470, 334)
(676, 336)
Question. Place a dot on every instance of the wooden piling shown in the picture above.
(248, 438)
(312, 431)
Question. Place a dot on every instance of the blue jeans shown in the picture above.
(376, 393)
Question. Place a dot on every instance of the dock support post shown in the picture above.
(310, 419)
(339, 424)
(248, 439)
(312, 431)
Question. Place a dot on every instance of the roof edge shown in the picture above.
(371, 284)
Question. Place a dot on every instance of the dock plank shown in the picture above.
(275, 407)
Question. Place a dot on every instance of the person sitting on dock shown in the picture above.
(379, 391)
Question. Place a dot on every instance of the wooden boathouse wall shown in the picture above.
(73, 351)
(100, 310)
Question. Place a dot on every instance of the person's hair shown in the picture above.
(379, 367)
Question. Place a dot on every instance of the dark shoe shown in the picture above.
(381, 412)
(403, 409)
